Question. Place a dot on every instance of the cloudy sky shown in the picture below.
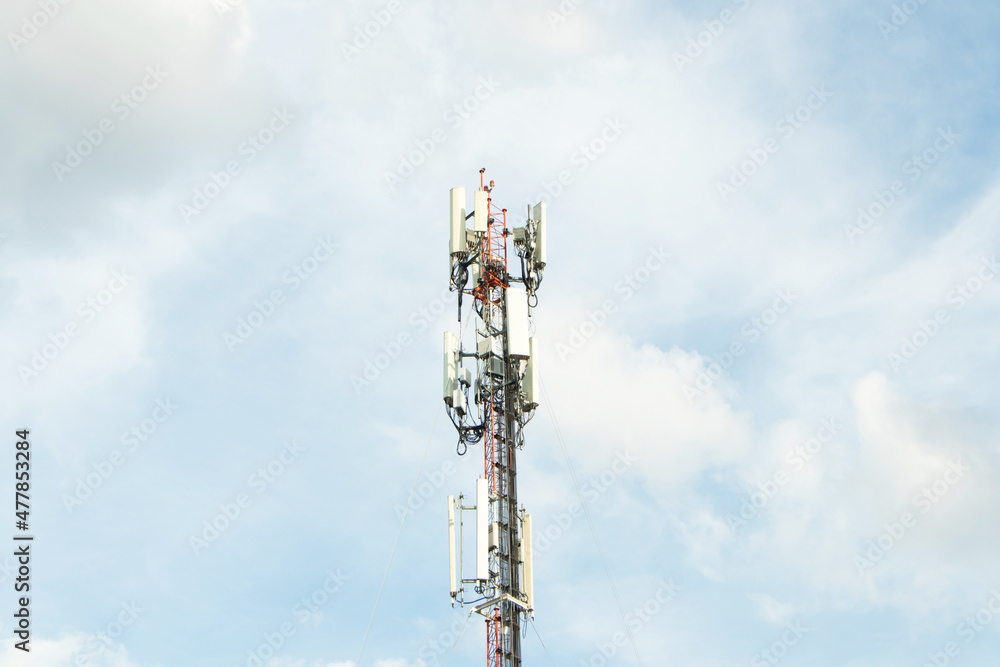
(769, 327)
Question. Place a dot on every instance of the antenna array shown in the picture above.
(491, 393)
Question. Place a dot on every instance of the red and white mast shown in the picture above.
(491, 392)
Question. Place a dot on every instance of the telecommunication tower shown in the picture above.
(491, 392)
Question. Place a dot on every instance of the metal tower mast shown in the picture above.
(493, 407)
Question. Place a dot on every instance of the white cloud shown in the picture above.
(613, 394)
(89, 649)
(830, 510)
(697, 461)
(774, 611)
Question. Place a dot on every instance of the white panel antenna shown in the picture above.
(482, 530)
(458, 240)
(530, 387)
(529, 575)
(452, 580)
(517, 322)
(450, 367)
(541, 246)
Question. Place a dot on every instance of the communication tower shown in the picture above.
(491, 392)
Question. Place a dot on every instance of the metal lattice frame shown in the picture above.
(498, 396)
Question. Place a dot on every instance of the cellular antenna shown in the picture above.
(491, 393)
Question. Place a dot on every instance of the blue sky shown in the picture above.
(256, 164)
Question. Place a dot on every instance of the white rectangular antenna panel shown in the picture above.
(488, 345)
(529, 578)
(541, 249)
(517, 322)
(482, 209)
(450, 366)
(452, 582)
(482, 530)
(530, 388)
(457, 221)
(475, 274)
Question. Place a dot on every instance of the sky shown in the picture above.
(767, 330)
